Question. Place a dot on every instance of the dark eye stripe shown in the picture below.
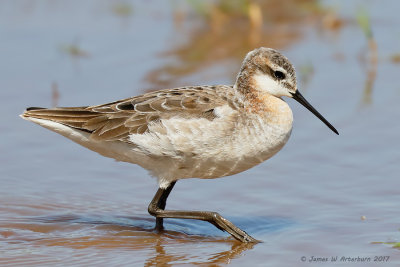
(278, 75)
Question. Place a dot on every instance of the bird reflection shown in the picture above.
(162, 258)
(136, 234)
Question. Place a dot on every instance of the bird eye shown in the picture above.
(279, 75)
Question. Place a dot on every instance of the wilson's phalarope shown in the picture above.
(191, 132)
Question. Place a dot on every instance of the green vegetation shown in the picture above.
(363, 20)
(123, 9)
(74, 51)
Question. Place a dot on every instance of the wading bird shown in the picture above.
(191, 132)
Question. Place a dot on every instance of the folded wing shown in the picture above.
(117, 120)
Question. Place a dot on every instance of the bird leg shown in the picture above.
(157, 206)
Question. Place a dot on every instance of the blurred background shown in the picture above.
(323, 195)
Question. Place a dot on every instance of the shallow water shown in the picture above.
(323, 195)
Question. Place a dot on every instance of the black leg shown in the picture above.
(157, 206)
(159, 202)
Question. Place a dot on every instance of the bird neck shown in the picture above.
(254, 100)
(244, 81)
(259, 102)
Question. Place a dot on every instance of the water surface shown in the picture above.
(323, 195)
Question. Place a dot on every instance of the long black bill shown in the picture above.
(299, 98)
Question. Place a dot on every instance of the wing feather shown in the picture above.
(118, 119)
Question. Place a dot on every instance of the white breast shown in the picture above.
(200, 148)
